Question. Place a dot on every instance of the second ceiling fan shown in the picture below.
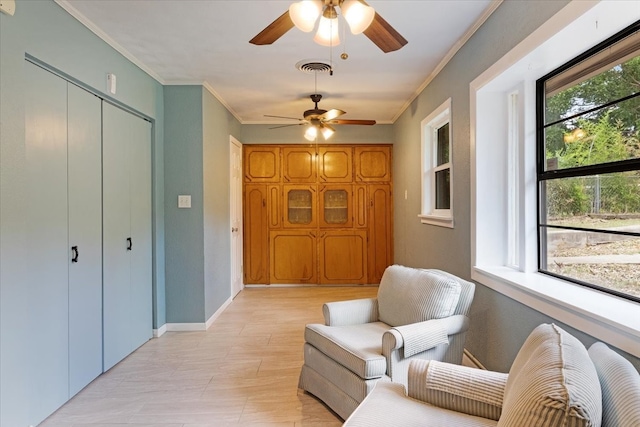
(359, 15)
(320, 120)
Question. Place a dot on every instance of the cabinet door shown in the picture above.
(274, 205)
(299, 206)
(335, 164)
(299, 164)
(343, 257)
(47, 247)
(256, 235)
(261, 163)
(380, 231)
(85, 237)
(336, 206)
(373, 163)
(293, 256)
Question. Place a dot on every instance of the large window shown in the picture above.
(588, 168)
(437, 167)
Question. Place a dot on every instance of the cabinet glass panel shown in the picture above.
(299, 204)
(336, 208)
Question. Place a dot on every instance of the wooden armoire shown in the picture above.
(317, 214)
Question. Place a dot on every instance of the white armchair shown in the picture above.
(418, 314)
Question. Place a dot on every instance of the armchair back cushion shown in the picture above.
(409, 295)
(620, 383)
(552, 382)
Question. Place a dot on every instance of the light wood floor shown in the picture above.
(242, 371)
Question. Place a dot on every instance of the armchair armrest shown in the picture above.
(419, 337)
(458, 388)
(352, 312)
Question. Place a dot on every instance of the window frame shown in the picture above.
(603, 316)
(429, 127)
(545, 175)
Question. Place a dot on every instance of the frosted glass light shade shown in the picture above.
(327, 34)
(327, 131)
(311, 134)
(358, 15)
(305, 13)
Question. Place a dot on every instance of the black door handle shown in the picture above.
(129, 243)
(75, 254)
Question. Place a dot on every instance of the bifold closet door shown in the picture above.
(64, 217)
(84, 151)
(126, 146)
(47, 253)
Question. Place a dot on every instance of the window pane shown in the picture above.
(607, 260)
(599, 137)
(611, 74)
(299, 207)
(598, 201)
(443, 145)
(336, 208)
(443, 196)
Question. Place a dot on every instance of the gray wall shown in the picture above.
(499, 324)
(45, 31)
(356, 134)
(198, 244)
(218, 125)
(183, 166)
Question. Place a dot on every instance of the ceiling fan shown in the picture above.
(320, 120)
(359, 15)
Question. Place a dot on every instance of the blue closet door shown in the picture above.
(126, 147)
(47, 241)
(85, 237)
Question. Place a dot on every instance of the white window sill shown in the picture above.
(441, 221)
(613, 320)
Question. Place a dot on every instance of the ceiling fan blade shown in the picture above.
(284, 117)
(274, 31)
(352, 122)
(331, 114)
(383, 35)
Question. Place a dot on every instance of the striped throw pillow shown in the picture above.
(620, 383)
(552, 382)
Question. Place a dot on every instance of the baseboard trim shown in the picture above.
(469, 359)
(190, 327)
(160, 331)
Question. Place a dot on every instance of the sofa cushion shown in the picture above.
(552, 382)
(356, 347)
(409, 295)
(620, 383)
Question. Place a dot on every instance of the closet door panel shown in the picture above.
(47, 250)
(84, 148)
(140, 253)
(116, 232)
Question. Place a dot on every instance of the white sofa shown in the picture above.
(418, 314)
(554, 381)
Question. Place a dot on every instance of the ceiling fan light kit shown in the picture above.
(360, 17)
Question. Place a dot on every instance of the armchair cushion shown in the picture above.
(357, 347)
(620, 383)
(409, 295)
(552, 382)
(458, 388)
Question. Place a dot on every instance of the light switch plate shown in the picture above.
(184, 201)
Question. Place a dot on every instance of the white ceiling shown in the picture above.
(207, 42)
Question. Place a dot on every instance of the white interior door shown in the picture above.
(235, 165)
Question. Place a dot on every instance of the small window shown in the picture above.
(589, 168)
(437, 182)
